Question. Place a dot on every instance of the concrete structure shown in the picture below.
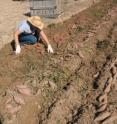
(46, 8)
(70, 8)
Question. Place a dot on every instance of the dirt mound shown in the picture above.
(62, 88)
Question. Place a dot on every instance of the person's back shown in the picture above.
(24, 27)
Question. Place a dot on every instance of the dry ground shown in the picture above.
(11, 14)
(65, 85)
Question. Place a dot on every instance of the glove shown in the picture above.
(18, 49)
(50, 50)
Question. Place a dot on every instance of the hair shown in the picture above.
(32, 27)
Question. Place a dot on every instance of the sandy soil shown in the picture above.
(11, 14)
(75, 85)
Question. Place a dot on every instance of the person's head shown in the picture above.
(36, 22)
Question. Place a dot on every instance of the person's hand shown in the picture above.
(18, 49)
(50, 50)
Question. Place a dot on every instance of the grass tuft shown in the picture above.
(104, 44)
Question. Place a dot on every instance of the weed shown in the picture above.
(88, 49)
(98, 13)
(59, 76)
(101, 45)
(93, 62)
(79, 29)
(51, 26)
(49, 93)
(82, 85)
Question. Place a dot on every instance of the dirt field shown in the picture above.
(75, 85)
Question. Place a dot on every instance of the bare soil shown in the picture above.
(64, 86)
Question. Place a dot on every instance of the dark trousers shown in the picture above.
(25, 38)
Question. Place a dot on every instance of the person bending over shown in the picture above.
(29, 32)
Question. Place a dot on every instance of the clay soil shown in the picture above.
(64, 85)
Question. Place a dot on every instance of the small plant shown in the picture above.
(49, 93)
(59, 76)
(79, 29)
(93, 62)
(88, 49)
(52, 26)
(101, 45)
(98, 13)
(82, 85)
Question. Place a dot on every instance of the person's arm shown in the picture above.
(16, 37)
(44, 37)
(17, 44)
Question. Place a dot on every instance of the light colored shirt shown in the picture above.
(24, 27)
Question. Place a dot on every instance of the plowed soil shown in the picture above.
(63, 88)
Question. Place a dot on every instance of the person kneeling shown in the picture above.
(29, 32)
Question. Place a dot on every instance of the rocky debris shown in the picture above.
(15, 99)
(96, 75)
(108, 87)
(52, 85)
(61, 108)
(11, 108)
(24, 90)
(110, 119)
(103, 99)
(102, 115)
(81, 55)
(19, 100)
(102, 108)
